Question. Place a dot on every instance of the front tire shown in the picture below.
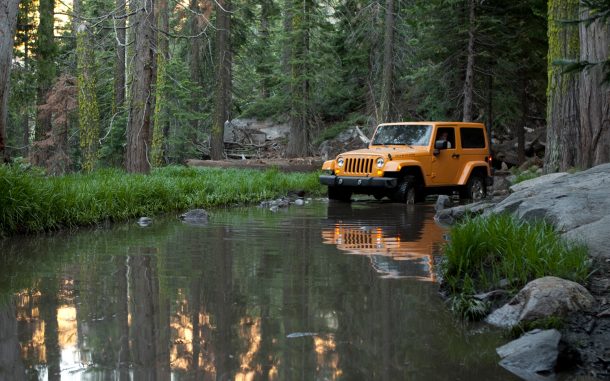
(475, 189)
(339, 194)
(406, 191)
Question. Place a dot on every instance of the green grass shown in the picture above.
(31, 202)
(485, 250)
(523, 175)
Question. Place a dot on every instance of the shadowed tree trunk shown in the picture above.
(388, 64)
(469, 79)
(139, 128)
(563, 121)
(88, 111)
(195, 64)
(222, 107)
(45, 52)
(160, 121)
(119, 67)
(8, 23)
(594, 97)
(300, 113)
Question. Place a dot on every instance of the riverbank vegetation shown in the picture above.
(503, 252)
(32, 202)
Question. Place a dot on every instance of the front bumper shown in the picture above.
(364, 182)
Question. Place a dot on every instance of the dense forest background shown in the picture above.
(144, 83)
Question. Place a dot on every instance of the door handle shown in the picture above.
(455, 155)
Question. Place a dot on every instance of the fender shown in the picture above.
(469, 168)
(397, 165)
(328, 165)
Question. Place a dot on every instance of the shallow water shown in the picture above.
(317, 292)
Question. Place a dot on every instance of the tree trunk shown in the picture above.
(522, 125)
(119, 68)
(26, 66)
(300, 117)
(139, 129)
(222, 102)
(88, 111)
(262, 67)
(46, 51)
(195, 65)
(563, 121)
(388, 64)
(8, 24)
(162, 56)
(469, 79)
(594, 96)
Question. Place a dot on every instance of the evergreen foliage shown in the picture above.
(313, 64)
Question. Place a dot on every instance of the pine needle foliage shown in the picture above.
(483, 251)
(31, 202)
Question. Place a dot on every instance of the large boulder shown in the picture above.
(350, 139)
(533, 356)
(541, 298)
(578, 205)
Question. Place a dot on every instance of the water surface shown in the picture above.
(318, 292)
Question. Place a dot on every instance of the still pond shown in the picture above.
(315, 292)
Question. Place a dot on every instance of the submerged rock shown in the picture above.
(145, 221)
(533, 356)
(195, 217)
(541, 298)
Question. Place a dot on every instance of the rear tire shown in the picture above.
(475, 189)
(339, 194)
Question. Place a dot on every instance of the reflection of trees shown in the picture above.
(11, 366)
(49, 303)
(149, 351)
(237, 289)
(122, 322)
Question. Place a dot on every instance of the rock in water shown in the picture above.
(532, 356)
(195, 217)
(145, 221)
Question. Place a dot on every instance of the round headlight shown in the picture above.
(380, 162)
(340, 162)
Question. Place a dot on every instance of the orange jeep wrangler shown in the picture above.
(406, 161)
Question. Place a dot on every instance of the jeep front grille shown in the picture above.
(358, 166)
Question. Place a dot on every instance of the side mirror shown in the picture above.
(440, 144)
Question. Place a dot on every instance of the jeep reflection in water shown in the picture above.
(406, 161)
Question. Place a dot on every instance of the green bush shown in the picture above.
(485, 250)
(32, 202)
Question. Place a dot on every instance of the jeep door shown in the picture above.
(473, 144)
(446, 164)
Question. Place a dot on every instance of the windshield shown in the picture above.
(403, 134)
